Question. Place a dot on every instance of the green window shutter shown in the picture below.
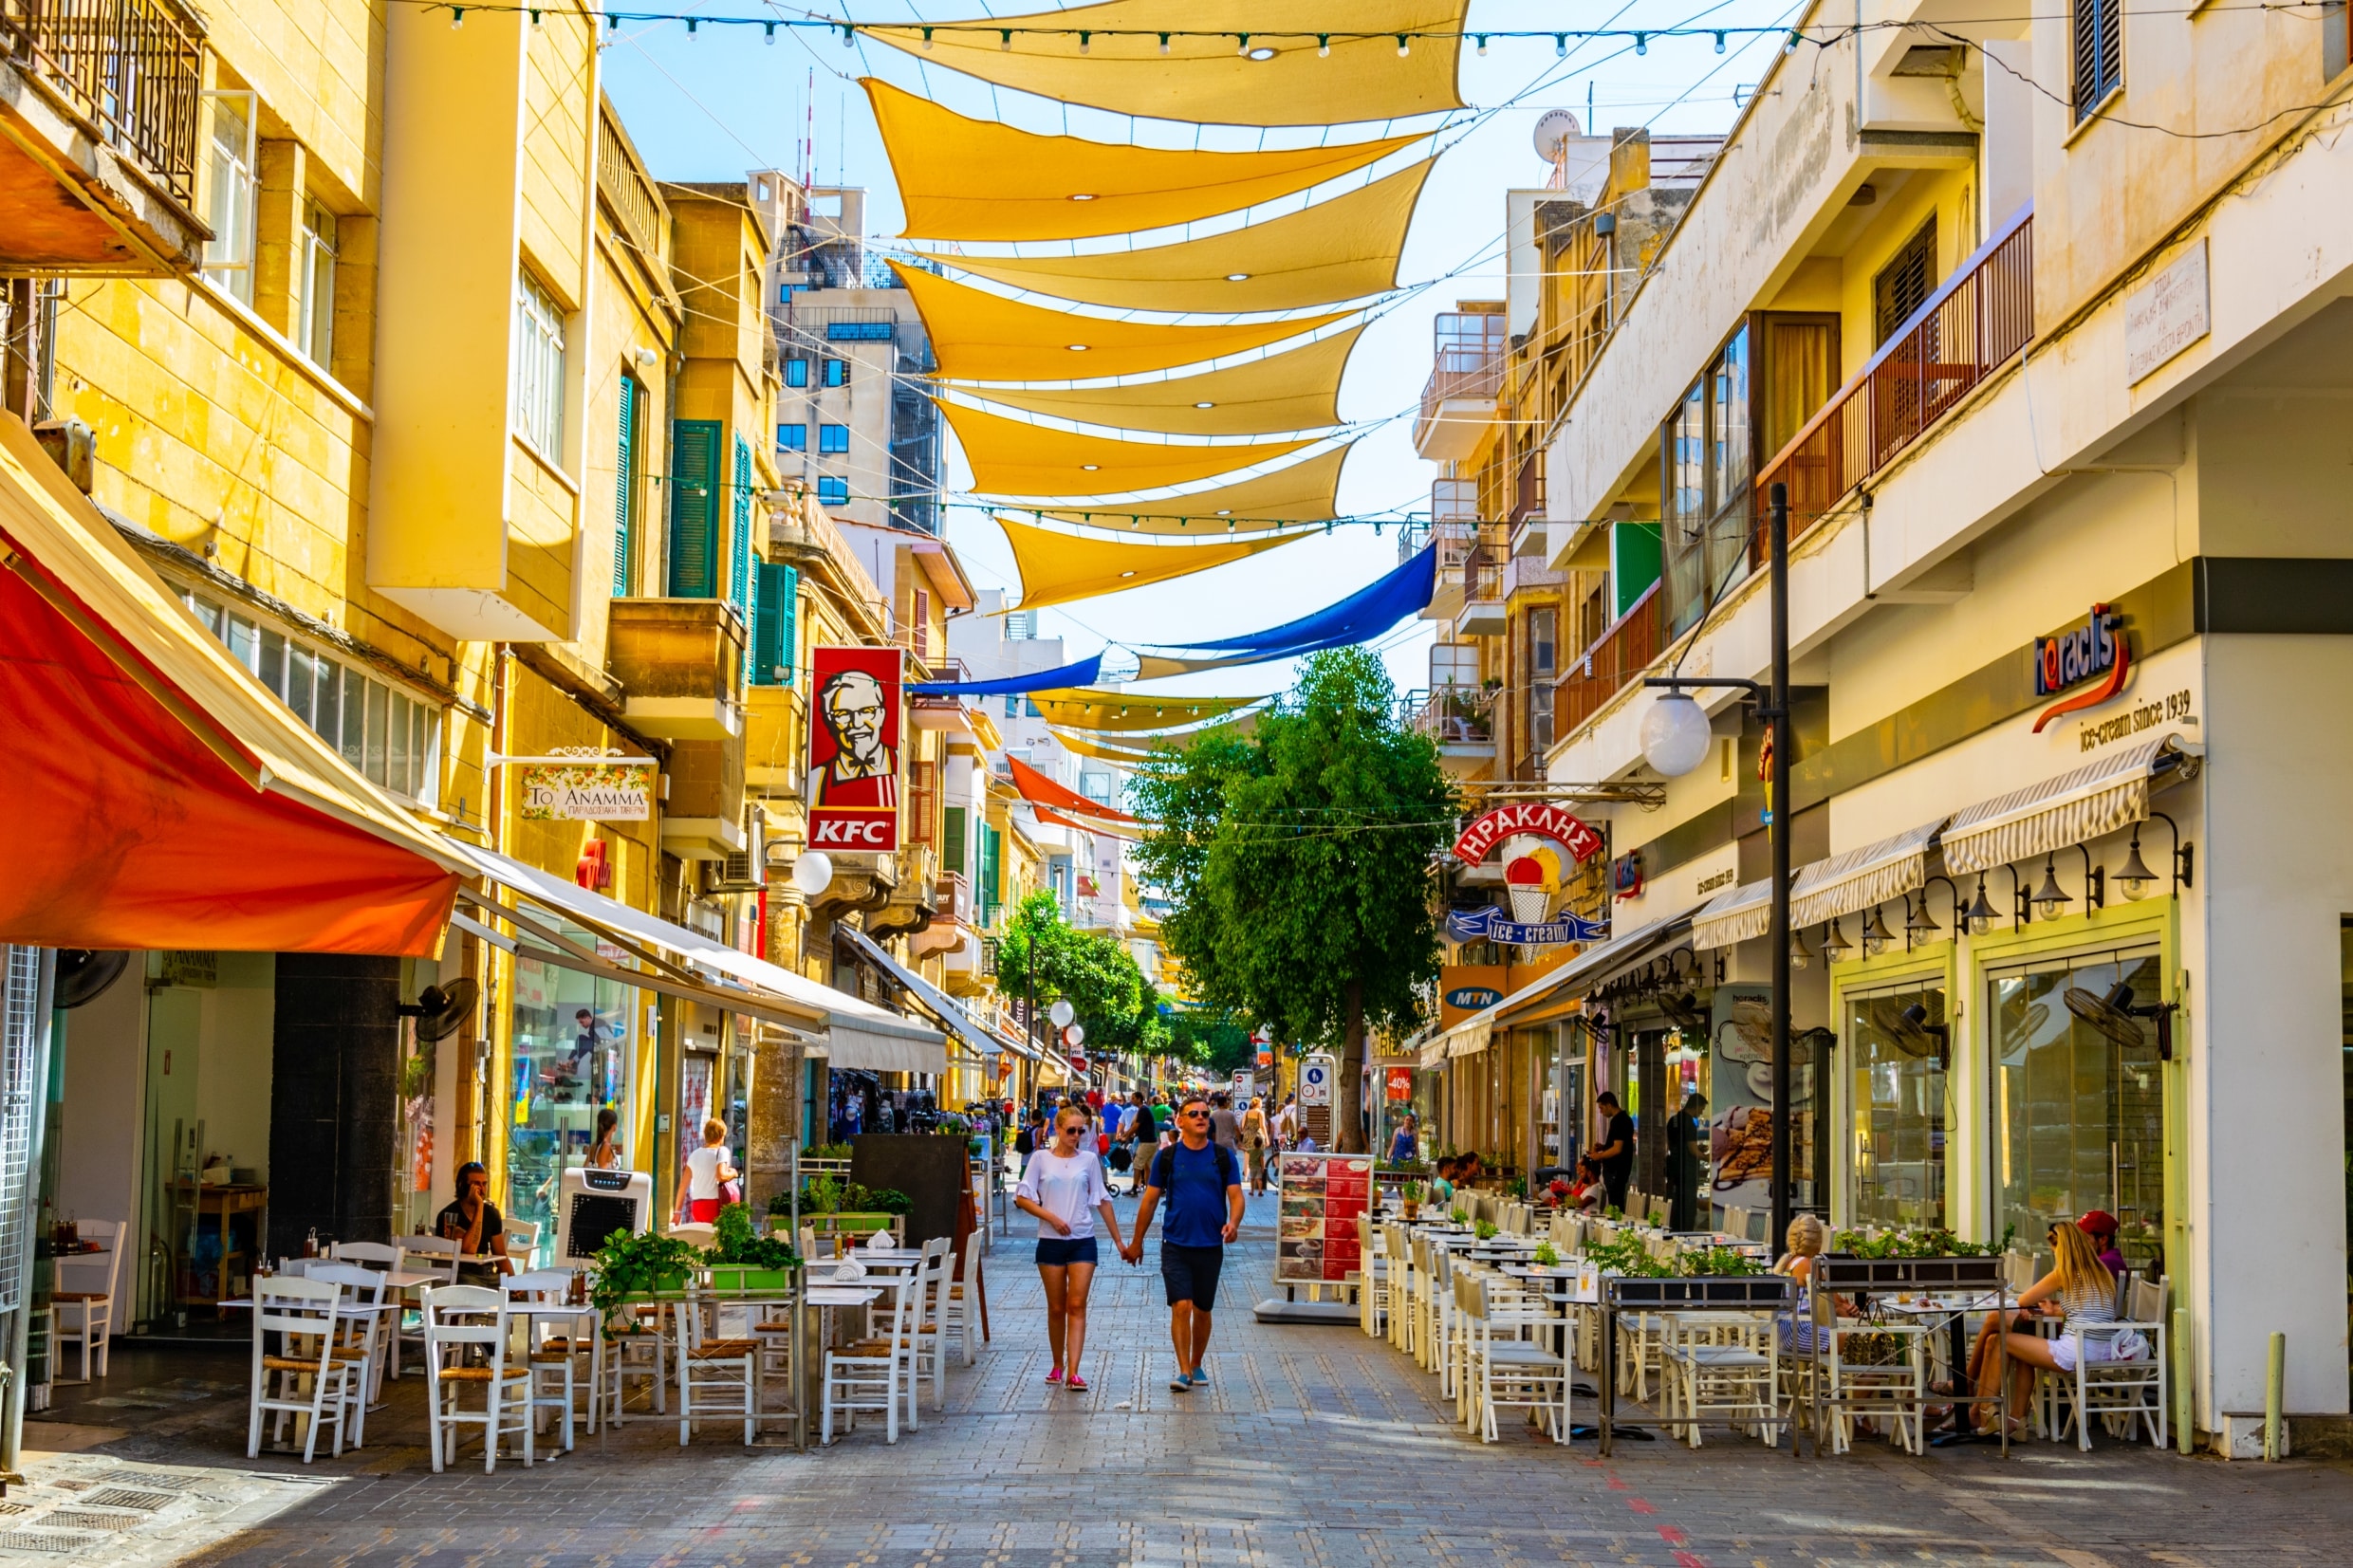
(774, 645)
(991, 871)
(951, 841)
(625, 488)
(695, 509)
(740, 492)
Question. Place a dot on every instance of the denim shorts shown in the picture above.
(1061, 1252)
(1190, 1274)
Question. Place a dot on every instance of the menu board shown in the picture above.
(1322, 1198)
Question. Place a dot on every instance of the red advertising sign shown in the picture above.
(854, 734)
(1398, 1083)
(1540, 818)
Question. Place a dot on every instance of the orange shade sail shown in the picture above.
(1038, 789)
(153, 798)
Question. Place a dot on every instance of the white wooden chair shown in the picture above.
(2122, 1394)
(718, 1378)
(433, 1255)
(85, 1313)
(1509, 1360)
(959, 1305)
(931, 1358)
(1372, 1278)
(522, 1238)
(360, 1295)
(307, 1378)
(466, 1346)
(1719, 1365)
(866, 1376)
(552, 1360)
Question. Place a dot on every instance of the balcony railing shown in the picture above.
(1452, 715)
(955, 896)
(131, 69)
(1982, 316)
(1618, 655)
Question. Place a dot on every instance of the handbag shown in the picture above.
(730, 1192)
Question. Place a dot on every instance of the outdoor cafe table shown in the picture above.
(673, 1304)
(1708, 1295)
(1930, 1290)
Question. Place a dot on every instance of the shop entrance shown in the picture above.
(1897, 1106)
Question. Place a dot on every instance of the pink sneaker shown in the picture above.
(1054, 1376)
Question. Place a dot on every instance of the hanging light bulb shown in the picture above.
(1719, 43)
(1004, 38)
(927, 35)
(2050, 899)
(2136, 876)
(1482, 45)
(1085, 45)
(457, 17)
(1322, 45)
(1405, 46)
(1164, 42)
(1835, 945)
(1642, 43)
(1560, 46)
(1980, 915)
(1799, 957)
(1920, 926)
(1875, 936)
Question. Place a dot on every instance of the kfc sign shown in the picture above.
(854, 743)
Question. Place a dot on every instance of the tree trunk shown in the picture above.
(1348, 1095)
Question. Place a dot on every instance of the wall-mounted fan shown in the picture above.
(1683, 1011)
(84, 973)
(2115, 1016)
(442, 1010)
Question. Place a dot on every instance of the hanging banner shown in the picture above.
(1488, 925)
(1398, 1084)
(854, 749)
(593, 790)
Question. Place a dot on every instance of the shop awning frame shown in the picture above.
(1473, 1034)
(850, 1032)
(2088, 803)
(1737, 914)
(979, 1041)
(1862, 879)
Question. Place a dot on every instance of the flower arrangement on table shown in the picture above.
(1558, 1191)
(1485, 1230)
(1547, 1256)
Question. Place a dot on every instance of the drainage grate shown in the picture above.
(44, 1541)
(91, 1518)
(8, 1508)
(162, 1481)
(128, 1497)
(71, 1484)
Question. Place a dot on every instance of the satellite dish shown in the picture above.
(440, 1010)
(84, 973)
(1554, 128)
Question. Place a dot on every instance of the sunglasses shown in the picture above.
(1202, 1114)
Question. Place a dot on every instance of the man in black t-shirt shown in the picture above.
(1616, 1154)
(473, 1222)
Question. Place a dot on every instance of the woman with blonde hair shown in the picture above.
(1254, 1141)
(1063, 1188)
(1807, 1237)
(2079, 1288)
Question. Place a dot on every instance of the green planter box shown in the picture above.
(741, 1276)
(860, 1225)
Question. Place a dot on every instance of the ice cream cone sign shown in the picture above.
(1531, 877)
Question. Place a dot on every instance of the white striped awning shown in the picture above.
(1737, 914)
(1861, 878)
(2094, 800)
(1471, 1035)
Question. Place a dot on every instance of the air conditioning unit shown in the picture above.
(748, 871)
(597, 1204)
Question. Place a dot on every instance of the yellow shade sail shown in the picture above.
(1296, 389)
(1011, 457)
(1339, 250)
(1059, 569)
(1087, 708)
(1305, 493)
(983, 337)
(1126, 69)
(1077, 742)
(962, 179)
(1142, 751)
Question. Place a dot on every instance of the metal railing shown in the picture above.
(1968, 329)
(1452, 715)
(1466, 374)
(133, 70)
(955, 896)
(1618, 655)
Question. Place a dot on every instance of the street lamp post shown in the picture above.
(1675, 741)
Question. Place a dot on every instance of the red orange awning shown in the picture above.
(156, 795)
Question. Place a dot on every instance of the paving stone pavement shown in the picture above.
(1311, 1446)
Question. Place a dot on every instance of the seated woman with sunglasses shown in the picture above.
(1064, 1187)
(2079, 1288)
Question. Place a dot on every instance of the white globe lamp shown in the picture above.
(1675, 736)
(812, 871)
(1061, 1014)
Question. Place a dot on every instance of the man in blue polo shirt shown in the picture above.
(1202, 1182)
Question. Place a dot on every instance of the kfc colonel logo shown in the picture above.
(854, 749)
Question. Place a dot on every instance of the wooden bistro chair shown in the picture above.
(466, 1346)
(360, 1295)
(86, 1314)
(554, 1356)
(869, 1374)
(434, 1254)
(718, 1378)
(308, 1379)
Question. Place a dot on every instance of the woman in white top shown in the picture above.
(1063, 1188)
(2079, 1288)
(706, 1168)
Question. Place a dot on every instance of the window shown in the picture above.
(1904, 285)
(314, 278)
(1542, 657)
(1454, 664)
(2098, 53)
(836, 372)
(2333, 39)
(383, 731)
(775, 608)
(792, 438)
(858, 332)
(2078, 1115)
(230, 184)
(1012, 706)
(833, 438)
(832, 491)
(1706, 454)
(951, 842)
(694, 564)
(740, 513)
(625, 487)
(796, 372)
(539, 366)
(1896, 1107)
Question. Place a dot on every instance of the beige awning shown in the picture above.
(1735, 915)
(1861, 879)
(2085, 804)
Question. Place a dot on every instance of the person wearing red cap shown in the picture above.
(2100, 1226)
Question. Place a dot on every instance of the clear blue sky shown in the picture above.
(716, 104)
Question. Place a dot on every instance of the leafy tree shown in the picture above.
(1297, 861)
(1212, 1038)
(1094, 972)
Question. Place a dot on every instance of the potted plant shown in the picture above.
(1485, 1230)
(743, 1260)
(1410, 1197)
(630, 1266)
(1459, 1216)
(1547, 1256)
